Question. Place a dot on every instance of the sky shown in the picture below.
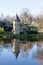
(13, 7)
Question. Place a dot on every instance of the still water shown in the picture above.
(17, 52)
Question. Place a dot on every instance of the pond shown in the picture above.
(18, 52)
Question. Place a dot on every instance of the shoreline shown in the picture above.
(30, 37)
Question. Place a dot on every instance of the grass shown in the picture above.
(30, 37)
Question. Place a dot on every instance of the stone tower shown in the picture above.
(16, 25)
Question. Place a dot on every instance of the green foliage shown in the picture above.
(29, 27)
(1, 42)
(30, 37)
(1, 30)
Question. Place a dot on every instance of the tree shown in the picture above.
(40, 21)
(26, 17)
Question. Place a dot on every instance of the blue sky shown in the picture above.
(11, 7)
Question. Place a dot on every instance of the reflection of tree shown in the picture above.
(41, 48)
(25, 45)
(24, 53)
(33, 51)
(1, 42)
(1, 49)
(40, 51)
(24, 48)
(16, 46)
(1, 46)
(7, 46)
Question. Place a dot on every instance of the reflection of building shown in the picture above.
(16, 47)
(24, 46)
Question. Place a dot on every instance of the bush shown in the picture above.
(1, 30)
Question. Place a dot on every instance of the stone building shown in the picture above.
(16, 25)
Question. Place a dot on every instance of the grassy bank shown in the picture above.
(6, 35)
(30, 37)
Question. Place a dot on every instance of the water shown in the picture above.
(18, 52)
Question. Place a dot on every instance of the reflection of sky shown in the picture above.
(1, 49)
(27, 60)
(8, 58)
(41, 48)
(24, 57)
(8, 47)
(33, 51)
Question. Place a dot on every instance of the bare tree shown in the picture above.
(26, 17)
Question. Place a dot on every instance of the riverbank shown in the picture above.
(30, 37)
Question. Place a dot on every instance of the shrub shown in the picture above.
(1, 30)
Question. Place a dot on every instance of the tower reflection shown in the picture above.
(16, 46)
(19, 45)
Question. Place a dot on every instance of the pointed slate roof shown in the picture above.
(17, 18)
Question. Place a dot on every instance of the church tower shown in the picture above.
(16, 25)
